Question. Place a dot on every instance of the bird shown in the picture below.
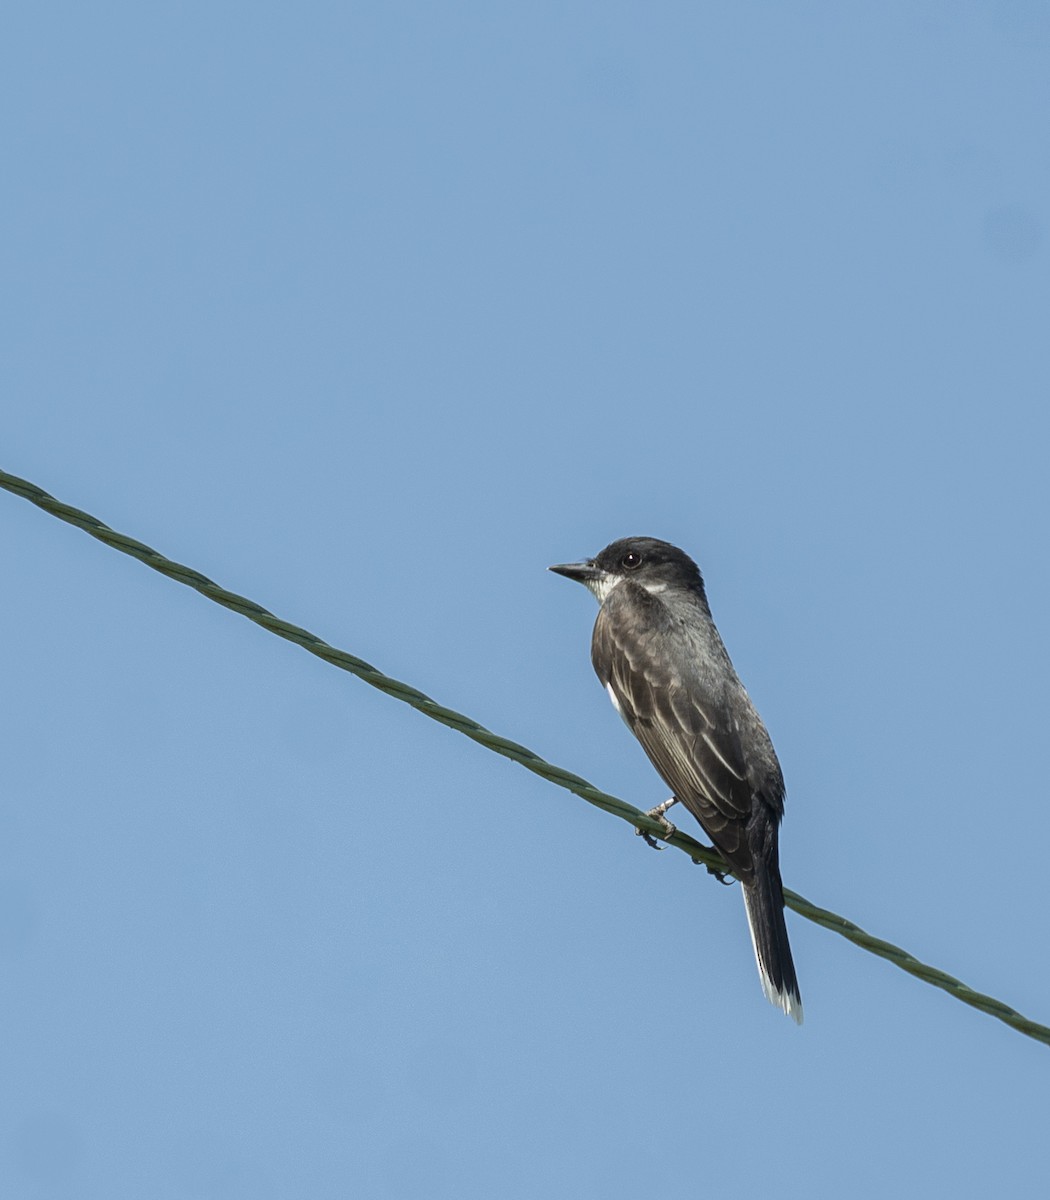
(659, 656)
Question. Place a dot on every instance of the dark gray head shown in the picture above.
(654, 565)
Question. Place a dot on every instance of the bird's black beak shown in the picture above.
(582, 572)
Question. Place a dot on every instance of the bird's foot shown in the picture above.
(657, 814)
(720, 875)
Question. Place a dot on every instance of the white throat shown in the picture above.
(602, 585)
(605, 583)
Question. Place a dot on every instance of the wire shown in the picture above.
(509, 749)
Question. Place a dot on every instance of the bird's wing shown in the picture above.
(688, 735)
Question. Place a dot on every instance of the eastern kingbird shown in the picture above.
(656, 650)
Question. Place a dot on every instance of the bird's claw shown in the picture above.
(657, 814)
(723, 877)
(669, 829)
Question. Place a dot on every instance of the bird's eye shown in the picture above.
(631, 560)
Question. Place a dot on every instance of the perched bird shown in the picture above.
(658, 654)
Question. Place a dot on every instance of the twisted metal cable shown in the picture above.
(509, 749)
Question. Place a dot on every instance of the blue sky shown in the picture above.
(370, 312)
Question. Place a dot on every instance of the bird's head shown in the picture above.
(652, 564)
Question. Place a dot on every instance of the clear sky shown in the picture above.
(371, 312)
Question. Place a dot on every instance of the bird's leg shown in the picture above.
(657, 814)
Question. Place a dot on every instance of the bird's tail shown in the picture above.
(764, 900)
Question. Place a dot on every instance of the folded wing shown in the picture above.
(687, 732)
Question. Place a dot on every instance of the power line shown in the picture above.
(504, 746)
